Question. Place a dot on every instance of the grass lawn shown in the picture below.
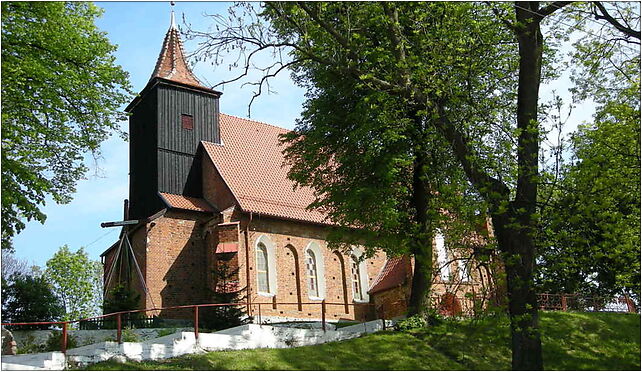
(571, 341)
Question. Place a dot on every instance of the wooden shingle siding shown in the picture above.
(174, 102)
(143, 174)
(162, 152)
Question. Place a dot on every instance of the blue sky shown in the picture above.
(138, 28)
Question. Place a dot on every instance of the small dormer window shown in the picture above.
(187, 121)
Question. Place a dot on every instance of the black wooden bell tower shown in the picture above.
(168, 119)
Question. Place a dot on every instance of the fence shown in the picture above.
(447, 304)
(574, 302)
(123, 318)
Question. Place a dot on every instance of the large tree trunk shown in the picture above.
(518, 247)
(422, 245)
(516, 227)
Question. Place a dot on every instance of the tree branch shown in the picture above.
(607, 17)
(552, 7)
(501, 17)
(394, 33)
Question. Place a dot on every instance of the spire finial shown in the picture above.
(172, 24)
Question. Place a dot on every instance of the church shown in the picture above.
(209, 191)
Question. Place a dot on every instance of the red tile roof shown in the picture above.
(393, 274)
(186, 202)
(171, 62)
(251, 163)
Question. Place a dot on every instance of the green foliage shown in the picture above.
(165, 332)
(121, 298)
(30, 299)
(412, 322)
(128, 335)
(61, 94)
(54, 341)
(593, 223)
(29, 348)
(359, 146)
(74, 278)
(570, 342)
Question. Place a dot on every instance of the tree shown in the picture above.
(61, 94)
(403, 173)
(73, 277)
(226, 292)
(593, 222)
(121, 298)
(13, 265)
(382, 48)
(30, 299)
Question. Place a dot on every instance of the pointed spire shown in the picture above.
(172, 21)
(171, 62)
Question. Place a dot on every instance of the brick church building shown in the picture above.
(208, 190)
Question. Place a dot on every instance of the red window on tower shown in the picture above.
(187, 121)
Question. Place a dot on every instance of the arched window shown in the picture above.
(442, 257)
(356, 279)
(311, 271)
(262, 268)
(266, 269)
(315, 271)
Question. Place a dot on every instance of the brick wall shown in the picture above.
(291, 240)
(176, 254)
(393, 302)
(177, 271)
(215, 190)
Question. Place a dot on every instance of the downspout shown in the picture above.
(247, 266)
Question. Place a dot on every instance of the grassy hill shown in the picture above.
(571, 341)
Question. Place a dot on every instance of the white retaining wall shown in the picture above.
(248, 336)
(86, 337)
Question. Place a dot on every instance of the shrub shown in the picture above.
(129, 335)
(415, 321)
(227, 291)
(54, 342)
(29, 346)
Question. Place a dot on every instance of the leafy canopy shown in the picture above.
(61, 94)
(29, 298)
(591, 227)
(357, 142)
(593, 224)
(77, 281)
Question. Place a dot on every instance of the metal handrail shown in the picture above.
(118, 315)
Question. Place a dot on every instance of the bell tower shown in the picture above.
(168, 120)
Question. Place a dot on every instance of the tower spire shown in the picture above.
(172, 21)
(171, 62)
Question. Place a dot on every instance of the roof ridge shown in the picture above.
(256, 121)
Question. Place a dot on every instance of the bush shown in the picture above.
(430, 318)
(129, 335)
(227, 292)
(413, 322)
(29, 346)
(54, 342)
